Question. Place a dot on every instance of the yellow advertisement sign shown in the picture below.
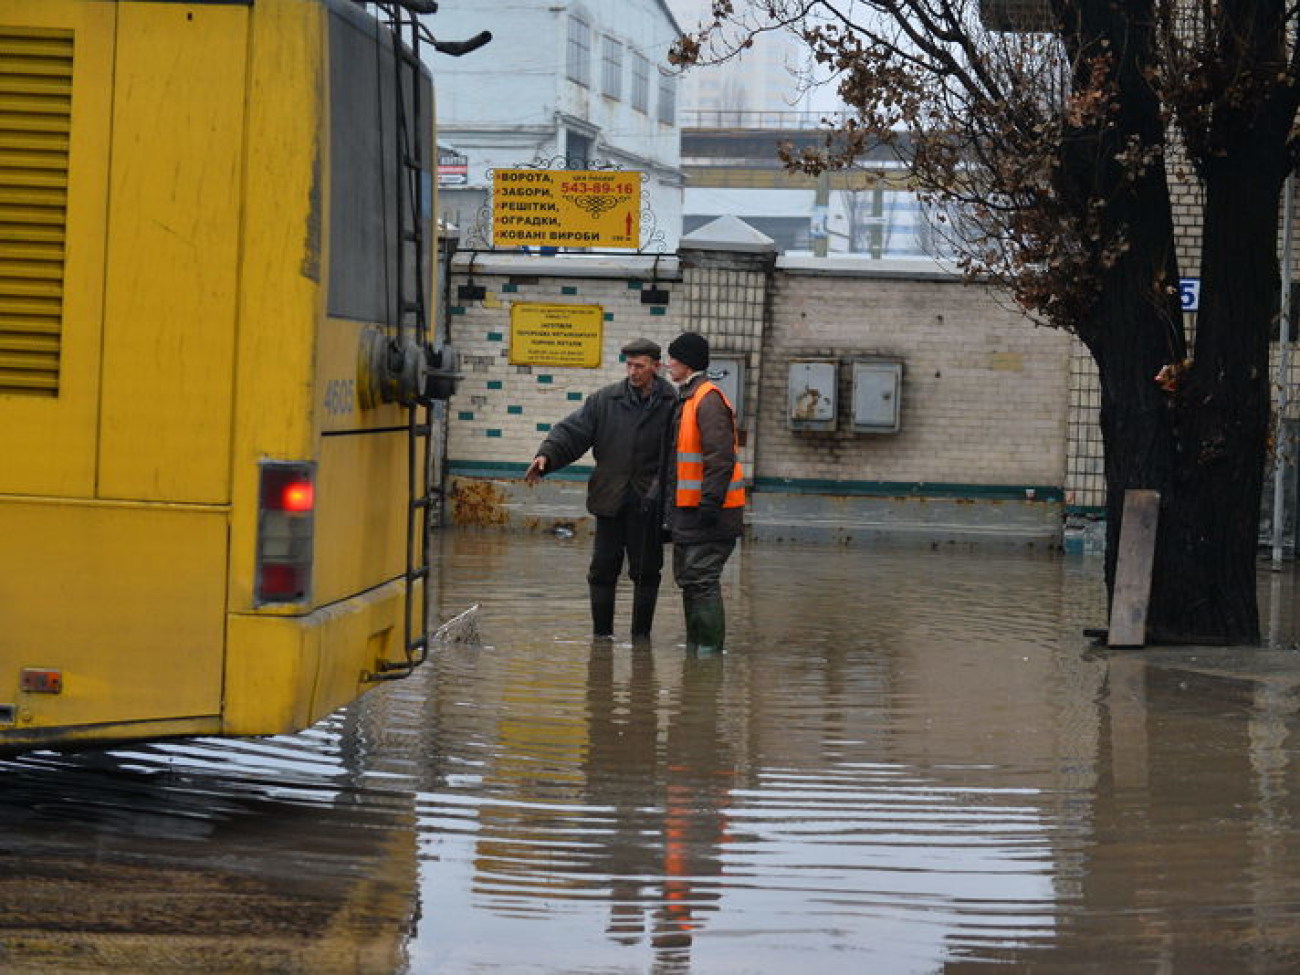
(566, 208)
(556, 335)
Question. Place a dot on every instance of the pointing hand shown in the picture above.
(535, 470)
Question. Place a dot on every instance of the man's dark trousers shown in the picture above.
(636, 533)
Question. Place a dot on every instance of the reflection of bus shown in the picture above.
(216, 369)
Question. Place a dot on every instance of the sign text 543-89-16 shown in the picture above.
(601, 188)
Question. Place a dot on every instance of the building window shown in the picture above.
(668, 99)
(579, 58)
(611, 75)
(577, 150)
(640, 83)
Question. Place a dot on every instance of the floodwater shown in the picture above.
(906, 762)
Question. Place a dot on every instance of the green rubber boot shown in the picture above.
(706, 626)
(692, 623)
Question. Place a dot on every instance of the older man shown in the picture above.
(624, 425)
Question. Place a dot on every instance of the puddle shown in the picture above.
(906, 762)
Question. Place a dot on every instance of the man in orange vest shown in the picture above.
(704, 497)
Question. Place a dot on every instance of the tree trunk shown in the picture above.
(1139, 324)
(1202, 442)
(1136, 327)
(1204, 588)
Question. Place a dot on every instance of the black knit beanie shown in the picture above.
(691, 349)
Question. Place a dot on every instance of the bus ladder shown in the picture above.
(412, 303)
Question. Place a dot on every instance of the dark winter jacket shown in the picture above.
(718, 439)
(624, 433)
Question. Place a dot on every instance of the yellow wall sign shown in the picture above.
(556, 335)
(566, 208)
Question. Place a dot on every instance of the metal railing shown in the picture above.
(723, 118)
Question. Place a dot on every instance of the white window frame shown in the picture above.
(668, 99)
(611, 68)
(640, 96)
(578, 52)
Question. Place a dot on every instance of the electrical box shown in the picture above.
(812, 394)
(728, 372)
(877, 395)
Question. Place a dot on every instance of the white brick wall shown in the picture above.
(984, 391)
(501, 412)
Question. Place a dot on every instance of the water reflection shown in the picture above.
(898, 768)
(276, 856)
(906, 762)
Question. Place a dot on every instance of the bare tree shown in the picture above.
(1052, 129)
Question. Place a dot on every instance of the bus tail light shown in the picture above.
(287, 500)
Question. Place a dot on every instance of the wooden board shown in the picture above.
(1137, 545)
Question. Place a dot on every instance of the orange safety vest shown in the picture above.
(690, 455)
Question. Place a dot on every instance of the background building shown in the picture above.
(734, 118)
(566, 84)
(762, 79)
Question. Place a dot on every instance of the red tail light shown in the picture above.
(285, 527)
(298, 496)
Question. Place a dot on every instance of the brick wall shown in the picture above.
(502, 412)
(984, 393)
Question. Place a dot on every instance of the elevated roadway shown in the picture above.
(740, 150)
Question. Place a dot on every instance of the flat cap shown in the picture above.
(641, 347)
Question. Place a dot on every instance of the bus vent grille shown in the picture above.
(35, 122)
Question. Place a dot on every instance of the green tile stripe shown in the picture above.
(778, 485)
(911, 489)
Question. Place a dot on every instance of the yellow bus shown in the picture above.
(217, 367)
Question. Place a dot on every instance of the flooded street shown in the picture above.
(907, 762)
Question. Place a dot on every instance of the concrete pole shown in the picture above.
(878, 224)
(821, 214)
